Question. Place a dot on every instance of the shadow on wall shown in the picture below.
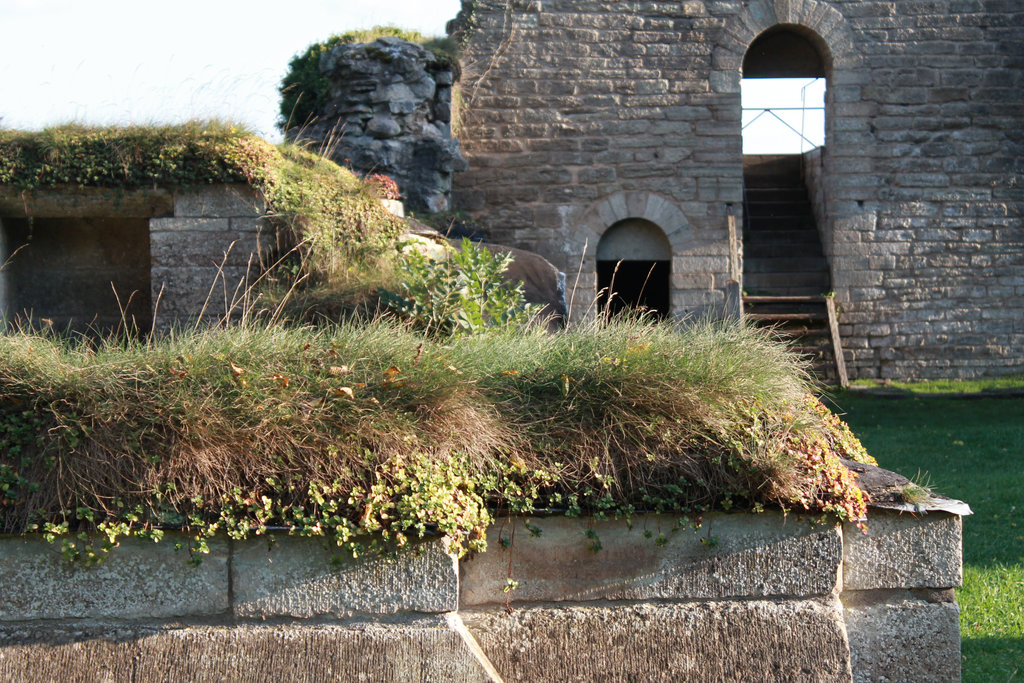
(76, 274)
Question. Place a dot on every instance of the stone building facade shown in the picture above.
(585, 119)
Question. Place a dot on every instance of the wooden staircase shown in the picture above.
(785, 273)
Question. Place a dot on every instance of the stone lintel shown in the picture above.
(85, 202)
(219, 201)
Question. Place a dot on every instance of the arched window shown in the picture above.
(634, 268)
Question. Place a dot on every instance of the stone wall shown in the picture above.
(208, 253)
(580, 113)
(744, 597)
(90, 255)
(390, 111)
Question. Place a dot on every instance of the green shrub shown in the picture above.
(463, 293)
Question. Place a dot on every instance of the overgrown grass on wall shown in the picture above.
(347, 430)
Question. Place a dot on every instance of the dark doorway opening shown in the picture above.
(634, 285)
(85, 275)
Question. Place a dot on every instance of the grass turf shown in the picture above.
(971, 450)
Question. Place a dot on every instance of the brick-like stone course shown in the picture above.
(569, 102)
(744, 597)
(208, 253)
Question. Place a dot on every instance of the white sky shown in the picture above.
(143, 61)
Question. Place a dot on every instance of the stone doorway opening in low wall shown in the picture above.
(88, 274)
(634, 268)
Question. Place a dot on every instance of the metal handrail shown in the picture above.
(772, 110)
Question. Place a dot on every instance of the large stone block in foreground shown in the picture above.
(755, 640)
(903, 636)
(653, 558)
(902, 550)
(297, 577)
(417, 650)
(140, 579)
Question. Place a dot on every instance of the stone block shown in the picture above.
(140, 579)
(709, 641)
(424, 649)
(903, 551)
(189, 224)
(296, 578)
(902, 638)
(219, 201)
(751, 555)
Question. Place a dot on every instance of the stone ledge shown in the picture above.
(140, 579)
(903, 551)
(755, 556)
(715, 641)
(219, 201)
(296, 578)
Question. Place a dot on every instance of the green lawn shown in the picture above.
(973, 450)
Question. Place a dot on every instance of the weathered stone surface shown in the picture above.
(917, 193)
(752, 555)
(219, 201)
(296, 578)
(896, 636)
(903, 551)
(419, 650)
(86, 202)
(707, 641)
(140, 579)
(389, 112)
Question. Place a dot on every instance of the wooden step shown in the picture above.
(786, 317)
(783, 299)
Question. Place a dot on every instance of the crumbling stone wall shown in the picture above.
(573, 103)
(390, 112)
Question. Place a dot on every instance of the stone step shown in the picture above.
(786, 317)
(782, 237)
(786, 264)
(771, 249)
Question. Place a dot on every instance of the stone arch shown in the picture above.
(621, 206)
(634, 268)
(822, 24)
(614, 211)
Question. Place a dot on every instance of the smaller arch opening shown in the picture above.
(634, 268)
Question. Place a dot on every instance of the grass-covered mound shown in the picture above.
(341, 232)
(342, 431)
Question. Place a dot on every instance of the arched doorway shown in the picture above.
(634, 268)
(784, 86)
